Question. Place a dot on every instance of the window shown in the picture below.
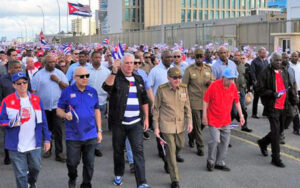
(182, 15)
(252, 4)
(217, 3)
(228, 4)
(200, 15)
(127, 14)
(195, 3)
(248, 4)
(182, 3)
(189, 12)
(206, 15)
(257, 3)
(126, 2)
(243, 13)
(205, 4)
(211, 3)
(211, 15)
(194, 15)
(238, 4)
(243, 4)
(200, 5)
(216, 14)
(263, 3)
(133, 15)
(227, 14)
(189, 3)
(232, 14)
(285, 45)
(233, 4)
(238, 14)
(222, 15)
(133, 2)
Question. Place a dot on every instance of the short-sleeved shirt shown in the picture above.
(97, 77)
(218, 67)
(220, 100)
(183, 65)
(296, 68)
(158, 76)
(71, 69)
(143, 74)
(48, 90)
(83, 103)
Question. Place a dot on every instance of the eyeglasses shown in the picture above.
(108, 54)
(177, 56)
(146, 57)
(21, 83)
(198, 56)
(83, 76)
(176, 77)
(76, 53)
(137, 62)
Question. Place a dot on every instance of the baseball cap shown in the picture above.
(174, 72)
(18, 76)
(229, 73)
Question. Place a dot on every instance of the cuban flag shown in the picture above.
(119, 52)
(79, 10)
(67, 48)
(105, 41)
(42, 38)
(163, 145)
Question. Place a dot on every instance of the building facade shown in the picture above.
(80, 26)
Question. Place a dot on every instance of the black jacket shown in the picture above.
(119, 94)
(257, 65)
(266, 88)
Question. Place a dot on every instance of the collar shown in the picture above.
(277, 71)
(74, 87)
(171, 88)
(18, 96)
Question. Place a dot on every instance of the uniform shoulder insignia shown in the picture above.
(207, 66)
(163, 85)
(183, 85)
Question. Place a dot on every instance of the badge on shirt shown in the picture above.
(183, 96)
(73, 95)
(207, 74)
(90, 94)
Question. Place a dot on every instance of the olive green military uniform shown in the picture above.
(197, 80)
(171, 109)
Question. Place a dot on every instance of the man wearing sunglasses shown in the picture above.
(178, 62)
(79, 105)
(147, 63)
(171, 110)
(197, 77)
(25, 124)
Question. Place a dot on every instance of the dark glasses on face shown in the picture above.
(137, 62)
(21, 83)
(177, 56)
(83, 76)
(176, 77)
(76, 53)
(147, 57)
(198, 56)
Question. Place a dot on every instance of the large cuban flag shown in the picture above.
(79, 10)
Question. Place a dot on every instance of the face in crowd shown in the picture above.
(127, 65)
(81, 77)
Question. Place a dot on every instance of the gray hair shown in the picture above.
(261, 49)
(176, 51)
(45, 59)
(126, 55)
(273, 55)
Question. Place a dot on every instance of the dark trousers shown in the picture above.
(255, 103)
(55, 124)
(86, 150)
(135, 135)
(296, 120)
(277, 120)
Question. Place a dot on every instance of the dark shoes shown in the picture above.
(175, 184)
(132, 168)
(72, 183)
(179, 158)
(200, 152)
(255, 117)
(209, 166)
(32, 185)
(246, 129)
(146, 136)
(278, 163)
(47, 154)
(296, 133)
(61, 158)
(263, 148)
(166, 167)
(6, 160)
(98, 153)
(223, 168)
(191, 143)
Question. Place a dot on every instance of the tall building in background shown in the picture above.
(80, 26)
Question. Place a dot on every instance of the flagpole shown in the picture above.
(58, 14)
(90, 38)
(162, 22)
(68, 20)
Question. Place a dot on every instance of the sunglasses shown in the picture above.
(76, 53)
(176, 77)
(198, 56)
(146, 57)
(83, 76)
(177, 56)
(137, 62)
(21, 83)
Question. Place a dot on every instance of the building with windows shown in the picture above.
(282, 4)
(80, 26)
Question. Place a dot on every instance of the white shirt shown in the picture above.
(27, 129)
(297, 73)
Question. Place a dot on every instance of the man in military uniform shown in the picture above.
(197, 77)
(171, 109)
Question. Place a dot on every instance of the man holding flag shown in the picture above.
(171, 109)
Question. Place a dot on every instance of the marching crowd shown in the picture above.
(160, 90)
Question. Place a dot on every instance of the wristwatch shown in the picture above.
(113, 73)
(100, 130)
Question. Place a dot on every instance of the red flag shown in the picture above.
(72, 9)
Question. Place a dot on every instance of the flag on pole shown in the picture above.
(42, 38)
(119, 52)
(163, 145)
(74, 112)
(79, 10)
(67, 48)
(105, 41)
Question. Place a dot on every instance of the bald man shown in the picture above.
(83, 125)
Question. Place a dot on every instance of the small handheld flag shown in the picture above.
(74, 112)
(163, 145)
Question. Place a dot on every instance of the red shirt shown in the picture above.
(279, 103)
(220, 100)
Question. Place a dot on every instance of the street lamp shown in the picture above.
(58, 14)
(43, 18)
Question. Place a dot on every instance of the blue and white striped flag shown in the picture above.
(119, 52)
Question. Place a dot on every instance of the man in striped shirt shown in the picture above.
(128, 117)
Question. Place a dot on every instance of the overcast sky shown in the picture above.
(17, 15)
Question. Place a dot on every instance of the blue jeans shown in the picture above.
(129, 151)
(86, 150)
(102, 110)
(29, 161)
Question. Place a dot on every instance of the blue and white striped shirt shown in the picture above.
(132, 111)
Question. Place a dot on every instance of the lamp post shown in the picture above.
(58, 14)
(44, 31)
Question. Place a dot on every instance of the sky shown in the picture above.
(17, 16)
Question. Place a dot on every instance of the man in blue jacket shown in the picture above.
(23, 117)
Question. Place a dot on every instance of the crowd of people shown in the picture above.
(161, 90)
